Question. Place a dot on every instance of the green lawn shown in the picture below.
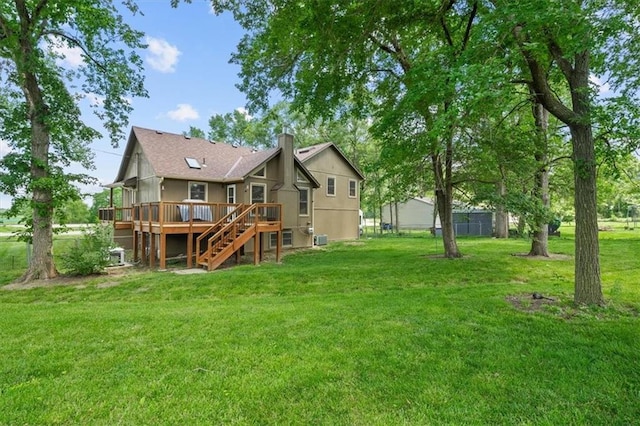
(378, 332)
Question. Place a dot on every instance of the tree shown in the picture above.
(103, 199)
(40, 116)
(240, 129)
(569, 42)
(75, 211)
(195, 132)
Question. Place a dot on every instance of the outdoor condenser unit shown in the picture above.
(119, 253)
(320, 240)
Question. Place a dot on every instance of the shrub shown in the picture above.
(90, 254)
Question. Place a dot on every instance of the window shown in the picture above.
(331, 185)
(353, 188)
(262, 172)
(258, 192)
(231, 194)
(198, 191)
(192, 163)
(304, 201)
(287, 239)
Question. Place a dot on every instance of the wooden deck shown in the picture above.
(195, 220)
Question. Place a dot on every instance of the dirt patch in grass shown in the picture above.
(531, 302)
(79, 282)
(552, 256)
(563, 307)
(62, 280)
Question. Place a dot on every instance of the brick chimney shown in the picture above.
(285, 141)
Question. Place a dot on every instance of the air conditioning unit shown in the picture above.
(320, 240)
(117, 252)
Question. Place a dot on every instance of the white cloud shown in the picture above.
(184, 112)
(4, 148)
(70, 56)
(244, 112)
(603, 86)
(162, 56)
(94, 100)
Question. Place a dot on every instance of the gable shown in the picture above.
(328, 158)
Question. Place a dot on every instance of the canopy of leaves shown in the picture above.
(37, 43)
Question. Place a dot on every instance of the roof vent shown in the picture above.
(211, 141)
(187, 137)
(235, 145)
(303, 151)
(158, 132)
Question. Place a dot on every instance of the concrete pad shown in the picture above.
(189, 271)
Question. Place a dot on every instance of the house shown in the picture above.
(415, 213)
(209, 200)
(336, 203)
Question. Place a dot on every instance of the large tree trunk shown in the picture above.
(540, 242)
(42, 264)
(502, 216)
(588, 289)
(444, 201)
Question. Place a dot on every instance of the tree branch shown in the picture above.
(540, 83)
(77, 43)
(447, 34)
(395, 50)
(558, 56)
(386, 70)
(38, 10)
(467, 32)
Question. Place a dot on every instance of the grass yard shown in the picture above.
(376, 332)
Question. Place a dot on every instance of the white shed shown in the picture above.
(415, 213)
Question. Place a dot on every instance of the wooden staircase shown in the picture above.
(227, 236)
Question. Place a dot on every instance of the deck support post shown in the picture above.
(190, 247)
(152, 250)
(163, 251)
(279, 246)
(256, 248)
(143, 243)
(136, 246)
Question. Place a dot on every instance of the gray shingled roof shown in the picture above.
(308, 152)
(166, 153)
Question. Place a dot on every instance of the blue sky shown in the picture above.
(187, 75)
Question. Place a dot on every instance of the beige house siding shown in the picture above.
(336, 216)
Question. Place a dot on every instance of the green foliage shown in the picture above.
(75, 211)
(101, 200)
(39, 113)
(241, 129)
(90, 254)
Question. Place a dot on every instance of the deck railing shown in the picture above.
(179, 212)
